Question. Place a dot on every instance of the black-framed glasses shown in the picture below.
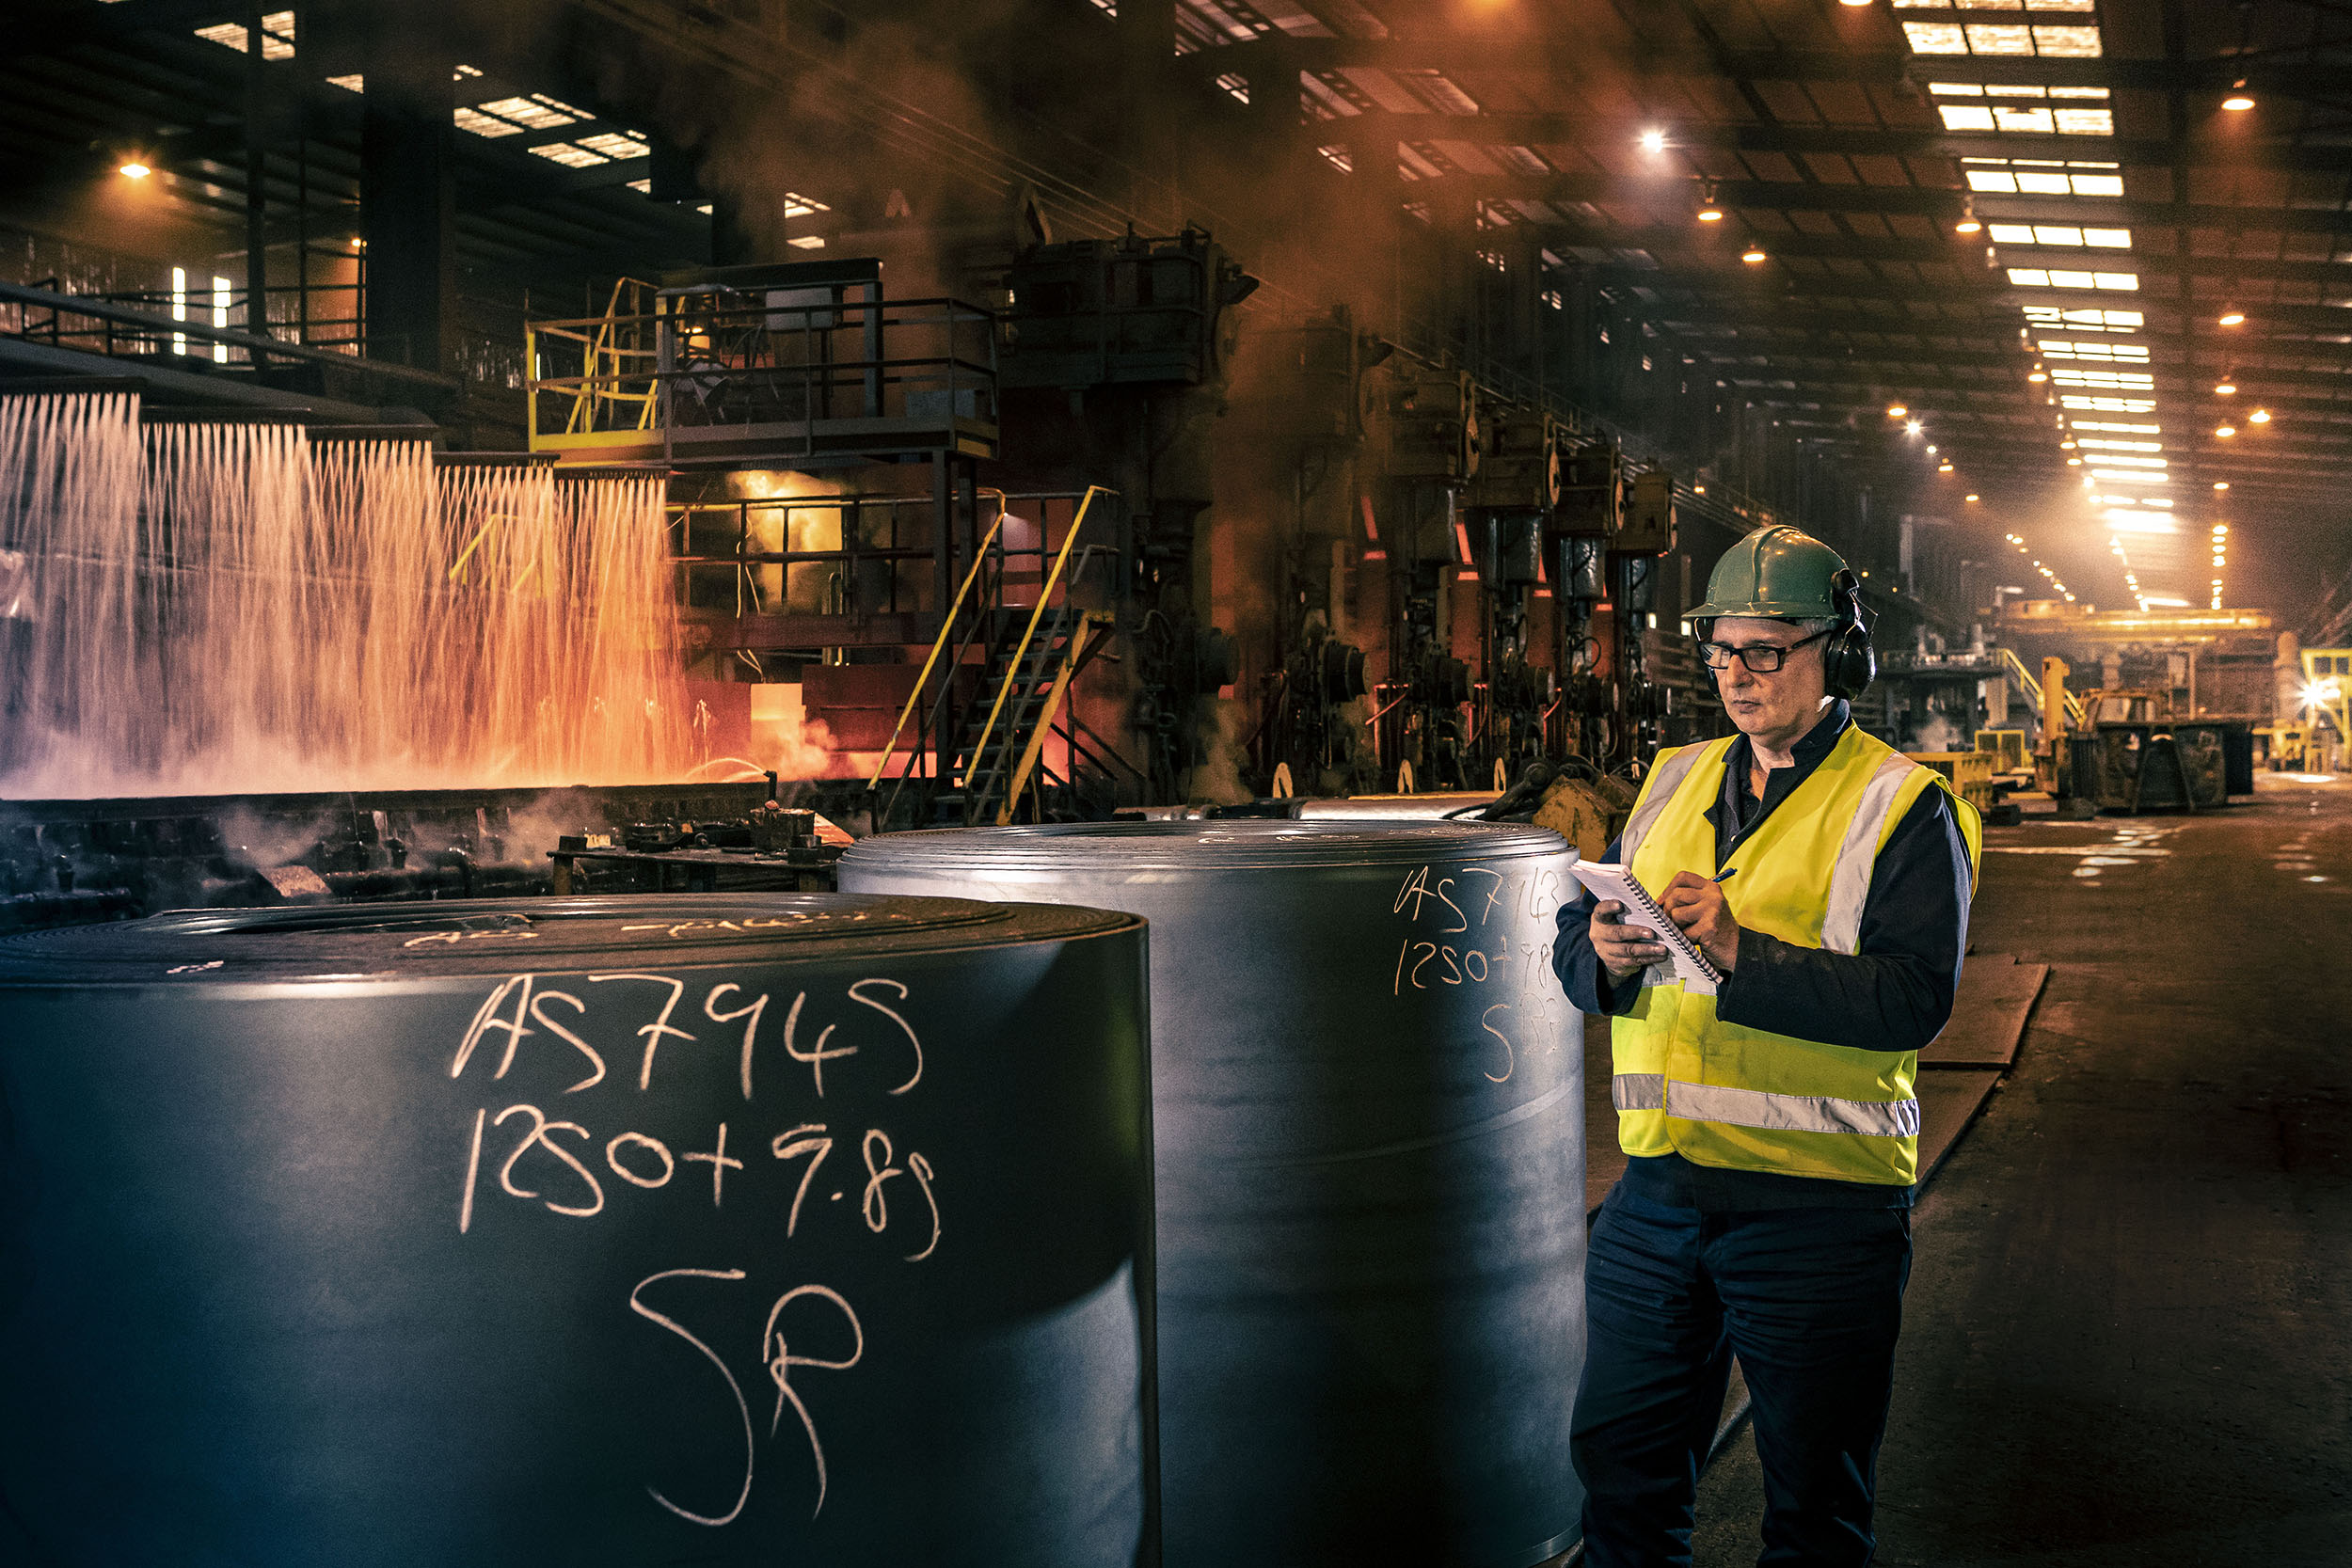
(1762, 658)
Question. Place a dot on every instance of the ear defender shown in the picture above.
(1848, 660)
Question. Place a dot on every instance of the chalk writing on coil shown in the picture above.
(720, 1163)
(652, 1033)
(805, 1139)
(733, 1389)
(779, 1359)
(857, 994)
(638, 1140)
(540, 1128)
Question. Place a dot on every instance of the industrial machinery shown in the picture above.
(1368, 1111)
(794, 1228)
(1431, 441)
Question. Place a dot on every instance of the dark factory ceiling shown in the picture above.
(2036, 225)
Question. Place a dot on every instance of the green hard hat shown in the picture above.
(1780, 573)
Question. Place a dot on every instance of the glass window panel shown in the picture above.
(2086, 122)
(1989, 38)
(2028, 277)
(2033, 122)
(1936, 38)
(1965, 117)
(2078, 44)
(2056, 233)
(2011, 233)
(2035, 183)
(2112, 239)
(1992, 182)
(2129, 280)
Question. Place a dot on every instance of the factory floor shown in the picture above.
(2128, 1335)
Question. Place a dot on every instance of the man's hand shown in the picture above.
(1624, 950)
(1698, 905)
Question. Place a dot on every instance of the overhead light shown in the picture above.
(2066, 446)
(1895, 411)
(1931, 448)
(2225, 388)
(1854, 2)
(1653, 142)
(1972, 498)
(1710, 211)
(2260, 416)
(134, 170)
(1943, 468)
(1911, 427)
(1967, 224)
(2038, 374)
(2238, 103)
(2233, 316)
(2221, 484)
(2225, 432)
(1753, 254)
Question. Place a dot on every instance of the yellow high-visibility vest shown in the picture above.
(1720, 1094)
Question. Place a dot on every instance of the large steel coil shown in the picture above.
(777, 1229)
(1368, 1115)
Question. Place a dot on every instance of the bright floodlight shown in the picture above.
(1653, 142)
(134, 170)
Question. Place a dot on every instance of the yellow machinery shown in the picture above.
(2007, 748)
(1969, 774)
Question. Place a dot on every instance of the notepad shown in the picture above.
(1609, 880)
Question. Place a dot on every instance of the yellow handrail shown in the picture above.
(1021, 652)
(947, 630)
(1089, 626)
(2033, 687)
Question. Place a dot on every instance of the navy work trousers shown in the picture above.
(1810, 1300)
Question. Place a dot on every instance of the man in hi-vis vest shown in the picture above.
(1770, 1126)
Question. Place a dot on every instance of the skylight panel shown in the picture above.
(537, 112)
(568, 156)
(2107, 405)
(619, 145)
(2119, 429)
(2121, 381)
(2086, 320)
(2059, 348)
(480, 124)
(277, 35)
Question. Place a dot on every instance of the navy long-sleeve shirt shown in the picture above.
(1894, 995)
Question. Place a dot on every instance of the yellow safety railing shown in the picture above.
(604, 362)
(939, 647)
(1091, 624)
(1029, 633)
(2033, 687)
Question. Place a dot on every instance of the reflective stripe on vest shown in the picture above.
(1784, 1113)
(1858, 857)
(1656, 790)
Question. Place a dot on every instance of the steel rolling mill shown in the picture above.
(866, 785)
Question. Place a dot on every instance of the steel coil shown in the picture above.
(786, 1228)
(1368, 1114)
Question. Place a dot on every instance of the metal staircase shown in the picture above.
(1005, 726)
(1023, 659)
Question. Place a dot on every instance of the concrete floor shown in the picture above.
(2128, 1337)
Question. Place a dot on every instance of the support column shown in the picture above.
(408, 194)
(256, 174)
(1147, 39)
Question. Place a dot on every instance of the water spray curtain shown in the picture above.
(210, 608)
